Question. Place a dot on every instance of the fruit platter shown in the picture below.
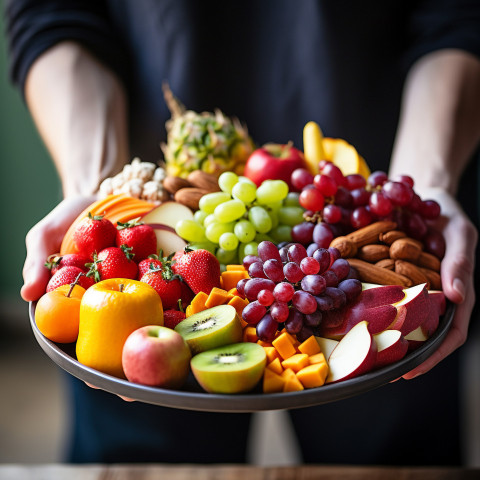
(230, 277)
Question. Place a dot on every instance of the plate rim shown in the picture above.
(248, 402)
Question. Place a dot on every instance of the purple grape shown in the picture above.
(279, 311)
(331, 279)
(351, 287)
(254, 285)
(322, 256)
(241, 286)
(296, 253)
(255, 270)
(309, 266)
(267, 328)
(265, 297)
(343, 198)
(324, 303)
(294, 322)
(322, 234)
(337, 295)
(305, 333)
(360, 197)
(377, 178)
(268, 250)
(292, 272)
(283, 292)
(416, 226)
(341, 268)
(314, 284)
(313, 319)
(311, 249)
(283, 252)
(273, 269)
(304, 302)
(249, 259)
(253, 312)
(303, 233)
(400, 194)
(334, 254)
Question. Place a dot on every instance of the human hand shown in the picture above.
(44, 239)
(456, 272)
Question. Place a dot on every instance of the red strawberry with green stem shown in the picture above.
(67, 275)
(140, 237)
(200, 269)
(152, 261)
(113, 262)
(172, 317)
(56, 262)
(93, 234)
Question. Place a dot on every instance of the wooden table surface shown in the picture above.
(229, 472)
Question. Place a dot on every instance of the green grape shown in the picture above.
(199, 216)
(228, 241)
(190, 230)
(281, 233)
(226, 181)
(242, 178)
(273, 217)
(272, 191)
(241, 252)
(209, 219)
(244, 191)
(227, 257)
(215, 229)
(229, 211)
(244, 231)
(291, 200)
(210, 246)
(291, 215)
(260, 219)
(261, 237)
(250, 248)
(210, 200)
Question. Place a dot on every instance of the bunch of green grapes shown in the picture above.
(231, 223)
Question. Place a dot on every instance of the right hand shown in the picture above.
(44, 239)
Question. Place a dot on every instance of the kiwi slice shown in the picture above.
(211, 328)
(234, 368)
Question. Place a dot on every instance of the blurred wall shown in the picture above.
(29, 189)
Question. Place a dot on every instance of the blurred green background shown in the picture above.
(29, 188)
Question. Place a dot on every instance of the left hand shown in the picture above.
(456, 272)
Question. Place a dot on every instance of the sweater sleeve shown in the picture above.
(33, 26)
(442, 24)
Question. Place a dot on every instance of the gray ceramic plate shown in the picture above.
(192, 397)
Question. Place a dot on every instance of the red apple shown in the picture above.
(391, 347)
(156, 356)
(274, 161)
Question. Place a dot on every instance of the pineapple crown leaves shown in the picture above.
(130, 224)
(93, 268)
(53, 261)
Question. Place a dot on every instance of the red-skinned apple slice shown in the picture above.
(168, 213)
(167, 240)
(354, 355)
(391, 347)
(326, 345)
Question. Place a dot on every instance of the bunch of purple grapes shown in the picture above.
(288, 288)
(337, 204)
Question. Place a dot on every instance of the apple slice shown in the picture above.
(391, 347)
(167, 240)
(326, 345)
(354, 355)
(168, 213)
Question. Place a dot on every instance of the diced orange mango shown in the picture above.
(292, 383)
(230, 278)
(235, 268)
(271, 353)
(198, 302)
(296, 362)
(276, 366)
(188, 311)
(317, 358)
(314, 375)
(238, 303)
(217, 296)
(272, 383)
(250, 334)
(309, 346)
(284, 346)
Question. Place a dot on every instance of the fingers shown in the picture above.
(126, 399)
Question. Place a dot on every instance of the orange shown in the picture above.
(109, 312)
(57, 315)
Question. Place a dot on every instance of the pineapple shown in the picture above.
(204, 141)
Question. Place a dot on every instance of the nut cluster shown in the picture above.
(383, 255)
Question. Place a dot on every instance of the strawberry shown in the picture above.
(67, 275)
(152, 261)
(187, 295)
(171, 318)
(140, 237)
(166, 284)
(113, 262)
(93, 234)
(56, 262)
(200, 269)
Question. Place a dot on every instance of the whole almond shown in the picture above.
(373, 253)
(411, 271)
(389, 237)
(173, 184)
(405, 249)
(370, 273)
(345, 246)
(427, 260)
(190, 196)
(203, 180)
(433, 277)
(370, 233)
(388, 263)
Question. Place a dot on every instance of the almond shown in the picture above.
(411, 271)
(173, 184)
(190, 196)
(373, 253)
(370, 233)
(427, 260)
(203, 180)
(433, 277)
(388, 263)
(370, 273)
(389, 237)
(405, 249)
(345, 246)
